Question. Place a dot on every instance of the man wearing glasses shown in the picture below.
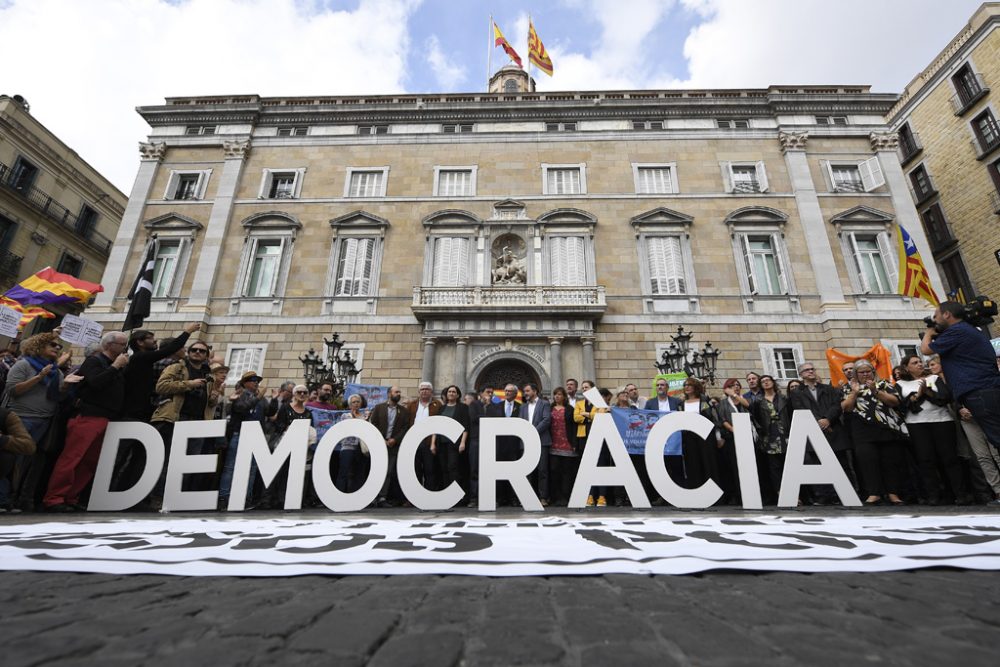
(101, 395)
(823, 401)
(187, 392)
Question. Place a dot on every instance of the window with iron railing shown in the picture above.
(986, 131)
(969, 88)
(923, 186)
(909, 144)
(938, 232)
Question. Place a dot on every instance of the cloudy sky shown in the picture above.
(84, 65)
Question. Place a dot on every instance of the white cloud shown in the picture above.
(449, 75)
(96, 61)
(756, 44)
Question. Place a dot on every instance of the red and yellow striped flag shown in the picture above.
(500, 40)
(536, 51)
(913, 278)
(28, 313)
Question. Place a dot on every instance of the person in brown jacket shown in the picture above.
(392, 421)
(425, 405)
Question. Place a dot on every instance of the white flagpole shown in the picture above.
(489, 54)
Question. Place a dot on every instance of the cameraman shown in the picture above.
(969, 364)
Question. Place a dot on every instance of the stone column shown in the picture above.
(427, 369)
(150, 155)
(555, 364)
(884, 144)
(235, 153)
(793, 145)
(589, 369)
(462, 362)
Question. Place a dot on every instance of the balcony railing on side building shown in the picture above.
(909, 146)
(969, 91)
(52, 209)
(10, 264)
(995, 201)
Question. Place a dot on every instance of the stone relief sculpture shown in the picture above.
(509, 261)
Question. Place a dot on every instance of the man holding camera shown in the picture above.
(969, 364)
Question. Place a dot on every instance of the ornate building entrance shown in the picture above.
(505, 371)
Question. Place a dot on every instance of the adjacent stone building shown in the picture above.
(55, 209)
(514, 234)
(947, 122)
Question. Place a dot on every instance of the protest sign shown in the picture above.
(635, 425)
(373, 394)
(80, 331)
(9, 321)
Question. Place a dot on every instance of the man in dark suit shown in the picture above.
(507, 446)
(476, 411)
(425, 405)
(662, 402)
(538, 411)
(392, 421)
(823, 401)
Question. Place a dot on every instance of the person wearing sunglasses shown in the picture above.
(187, 392)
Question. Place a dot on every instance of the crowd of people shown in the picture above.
(926, 435)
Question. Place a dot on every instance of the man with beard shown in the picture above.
(391, 421)
(323, 401)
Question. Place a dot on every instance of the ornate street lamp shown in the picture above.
(336, 368)
(679, 357)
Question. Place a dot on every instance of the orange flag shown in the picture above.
(536, 51)
(877, 354)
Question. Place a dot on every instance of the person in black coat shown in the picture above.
(823, 402)
(476, 412)
(507, 447)
(449, 452)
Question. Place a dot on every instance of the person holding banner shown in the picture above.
(564, 456)
(247, 404)
(349, 450)
(274, 497)
(390, 420)
(732, 403)
(700, 462)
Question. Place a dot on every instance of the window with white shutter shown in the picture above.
(366, 182)
(168, 256)
(654, 180)
(451, 261)
(265, 265)
(455, 183)
(871, 264)
(871, 174)
(354, 267)
(763, 264)
(568, 261)
(666, 265)
(564, 179)
(243, 358)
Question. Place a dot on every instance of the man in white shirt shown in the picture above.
(538, 412)
(425, 405)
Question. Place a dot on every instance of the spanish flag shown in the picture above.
(500, 40)
(48, 286)
(28, 313)
(913, 278)
(536, 51)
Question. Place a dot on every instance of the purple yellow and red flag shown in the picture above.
(913, 278)
(48, 287)
(500, 40)
(536, 51)
(28, 313)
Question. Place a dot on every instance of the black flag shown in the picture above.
(141, 294)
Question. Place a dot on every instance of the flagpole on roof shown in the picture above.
(489, 53)
(528, 51)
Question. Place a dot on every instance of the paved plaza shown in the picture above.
(925, 617)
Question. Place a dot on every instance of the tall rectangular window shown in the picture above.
(282, 186)
(187, 187)
(86, 221)
(568, 261)
(938, 232)
(784, 363)
(968, 88)
(23, 175)
(763, 265)
(846, 178)
(70, 264)
(987, 134)
(165, 267)
(666, 265)
(264, 267)
(870, 260)
(451, 261)
(354, 267)
(923, 187)
(243, 358)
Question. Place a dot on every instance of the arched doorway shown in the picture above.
(505, 371)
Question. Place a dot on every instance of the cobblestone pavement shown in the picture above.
(927, 617)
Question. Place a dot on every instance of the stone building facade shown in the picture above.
(481, 237)
(55, 209)
(947, 123)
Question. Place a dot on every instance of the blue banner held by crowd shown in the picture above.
(373, 394)
(634, 425)
(322, 420)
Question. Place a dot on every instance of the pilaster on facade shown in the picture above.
(150, 156)
(427, 368)
(884, 141)
(235, 153)
(792, 141)
(555, 360)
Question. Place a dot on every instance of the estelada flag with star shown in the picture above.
(536, 51)
(501, 41)
(913, 278)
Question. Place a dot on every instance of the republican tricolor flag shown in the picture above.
(913, 278)
(536, 51)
